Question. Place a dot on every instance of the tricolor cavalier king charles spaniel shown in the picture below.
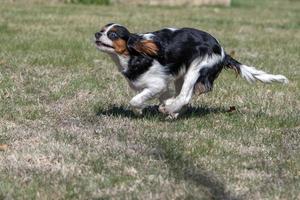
(192, 59)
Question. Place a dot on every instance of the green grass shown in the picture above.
(64, 108)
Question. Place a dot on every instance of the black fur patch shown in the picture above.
(137, 65)
(180, 47)
(121, 32)
(177, 49)
(208, 75)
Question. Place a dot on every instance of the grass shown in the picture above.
(99, 2)
(64, 108)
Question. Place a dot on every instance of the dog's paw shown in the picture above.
(135, 103)
(168, 106)
(170, 116)
(136, 107)
(164, 109)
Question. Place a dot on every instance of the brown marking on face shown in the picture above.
(147, 46)
(113, 29)
(120, 46)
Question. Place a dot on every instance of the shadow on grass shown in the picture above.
(152, 111)
(183, 168)
(116, 111)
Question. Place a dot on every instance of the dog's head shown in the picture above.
(112, 38)
(116, 39)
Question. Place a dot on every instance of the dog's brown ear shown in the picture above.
(140, 45)
(147, 47)
(120, 46)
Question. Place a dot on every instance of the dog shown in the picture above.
(190, 58)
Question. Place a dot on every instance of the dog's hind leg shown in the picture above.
(174, 105)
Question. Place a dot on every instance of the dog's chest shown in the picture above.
(121, 61)
(130, 70)
(137, 66)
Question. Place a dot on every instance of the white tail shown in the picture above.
(251, 74)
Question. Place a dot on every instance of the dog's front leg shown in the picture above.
(138, 101)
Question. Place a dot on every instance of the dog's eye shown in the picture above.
(113, 35)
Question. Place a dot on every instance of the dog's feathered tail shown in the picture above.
(251, 74)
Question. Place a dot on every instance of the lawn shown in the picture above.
(70, 133)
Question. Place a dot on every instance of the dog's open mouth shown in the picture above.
(99, 43)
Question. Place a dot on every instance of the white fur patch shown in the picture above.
(121, 61)
(172, 29)
(251, 74)
(155, 77)
(152, 83)
(108, 28)
(104, 37)
(148, 36)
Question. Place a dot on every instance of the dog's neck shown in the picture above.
(121, 61)
(122, 64)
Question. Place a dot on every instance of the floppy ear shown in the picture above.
(132, 40)
(136, 43)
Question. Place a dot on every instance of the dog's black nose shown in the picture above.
(98, 35)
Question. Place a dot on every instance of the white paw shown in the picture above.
(137, 106)
(171, 106)
(172, 116)
(163, 109)
(135, 103)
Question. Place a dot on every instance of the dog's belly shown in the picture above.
(155, 76)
